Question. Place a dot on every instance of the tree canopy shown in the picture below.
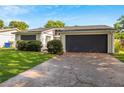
(18, 24)
(1, 24)
(119, 25)
(54, 24)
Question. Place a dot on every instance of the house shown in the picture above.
(42, 34)
(6, 36)
(94, 38)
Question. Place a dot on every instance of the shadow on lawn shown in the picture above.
(13, 62)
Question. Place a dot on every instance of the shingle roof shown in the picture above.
(91, 27)
(39, 29)
(71, 28)
(36, 30)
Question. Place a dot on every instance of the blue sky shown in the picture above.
(37, 16)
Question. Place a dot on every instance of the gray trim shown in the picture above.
(26, 33)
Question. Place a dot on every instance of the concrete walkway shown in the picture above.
(73, 70)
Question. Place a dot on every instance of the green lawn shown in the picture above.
(13, 62)
(119, 56)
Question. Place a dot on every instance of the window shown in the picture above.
(28, 37)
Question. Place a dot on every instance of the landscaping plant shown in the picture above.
(31, 45)
(55, 47)
(117, 45)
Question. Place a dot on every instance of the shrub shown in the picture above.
(60, 53)
(55, 47)
(31, 45)
(117, 45)
(119, 35)
(21, 45)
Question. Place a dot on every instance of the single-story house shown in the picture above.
(95, 38)
(42, 34)
(6, 37)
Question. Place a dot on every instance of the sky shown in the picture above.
(37, 16)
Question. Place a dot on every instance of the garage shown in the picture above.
(94, 39)
(86, 43)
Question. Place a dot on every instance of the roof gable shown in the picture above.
(8, 30)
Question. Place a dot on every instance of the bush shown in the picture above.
(60, 53)
(31, 45)
(117, 45)
(55, 47)
(119, 35)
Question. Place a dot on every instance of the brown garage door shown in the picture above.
(86, 43)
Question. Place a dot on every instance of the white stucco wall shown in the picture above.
(6, 37)
(41, 36)
(109, 37)
(44, 35)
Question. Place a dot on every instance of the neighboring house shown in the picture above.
(6, 36)
(95, 38)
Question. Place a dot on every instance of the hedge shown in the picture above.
(29, 45)
(55, 47)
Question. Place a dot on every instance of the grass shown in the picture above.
(13, 62)
(119, 55)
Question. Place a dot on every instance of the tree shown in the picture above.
(119, 25)
(54, 24)
(18, 24)
(1, 24)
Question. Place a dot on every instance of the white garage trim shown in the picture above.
(110, 40)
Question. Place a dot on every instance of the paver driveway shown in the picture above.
(73, 70)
